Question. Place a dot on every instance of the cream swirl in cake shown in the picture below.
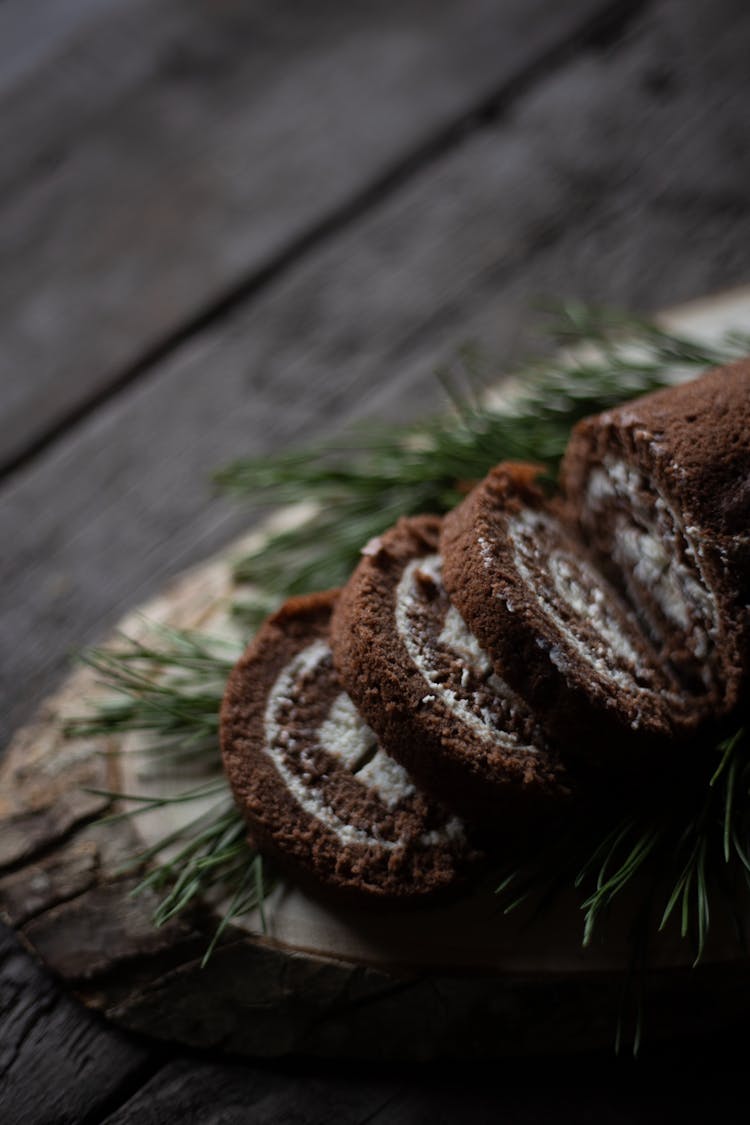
(658, 561)
(421, 679)
(311, 779)
(553, 625)
(660, 489)
(454, 667)
(592, 624)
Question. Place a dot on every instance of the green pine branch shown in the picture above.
(686, 851)
(363, 482)
(169, 689)
(688, 856)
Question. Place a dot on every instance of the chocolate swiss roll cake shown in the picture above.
(420, 678)
(316, 789)
(661, 490)
(554, 627)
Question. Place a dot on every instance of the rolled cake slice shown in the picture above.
(423, 683)
(309, 776)
(661, 491)
(553, 625)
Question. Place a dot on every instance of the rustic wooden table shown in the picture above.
(230, 226)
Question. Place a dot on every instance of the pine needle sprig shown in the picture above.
(636, 338)
(681, 859)
(362, 482)
(169, 690)
(684, 847)
(170, 687)
(676, 858)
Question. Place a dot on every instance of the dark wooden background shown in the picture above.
(230, 225)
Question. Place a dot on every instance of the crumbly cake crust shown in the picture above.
(616, 617)
(661, 490)
(554, 627)
(308, 775)
(422, 682)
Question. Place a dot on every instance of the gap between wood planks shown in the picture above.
(579, 191)
(60, 1065)
(124, 1091)
(201, 1090)
(604, 27)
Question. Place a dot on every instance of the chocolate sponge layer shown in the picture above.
(660, 488)
(555, 628)
(423, 683)
(315, 787)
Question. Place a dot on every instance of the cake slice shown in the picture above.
(661, 491)
(420, 678)
(316, 789)
(555, 628)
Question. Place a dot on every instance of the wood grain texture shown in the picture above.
(202, 1093)
(457, 980)
(33, 32)
(566, 1092)
(679, 237)
(59, 1065)
(189, 147)
(636, 199)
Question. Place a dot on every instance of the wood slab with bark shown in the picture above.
(455, 980)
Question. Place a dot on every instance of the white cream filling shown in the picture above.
(587, 602)
(345, 735)
(347, 738)
(679, 590)
(456, 636)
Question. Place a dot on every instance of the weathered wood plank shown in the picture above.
(637, 199)
(202, 1093)
(456, 980)
(696, 1100)
(33, 31)
(172, 152)
(567, 1091)
(59, 1065)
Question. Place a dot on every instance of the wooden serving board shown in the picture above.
(458, 979)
